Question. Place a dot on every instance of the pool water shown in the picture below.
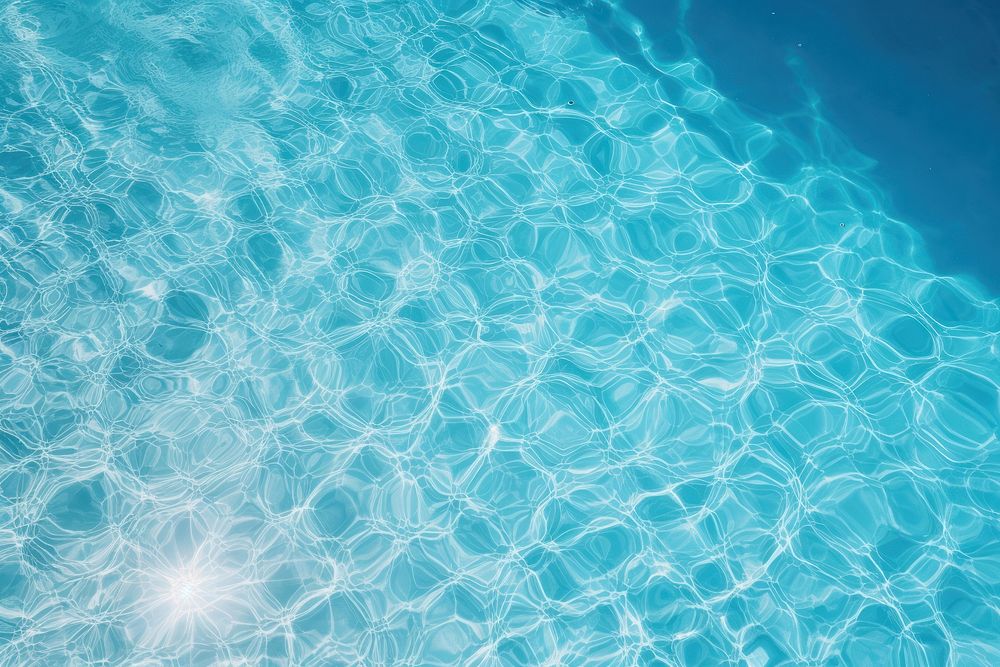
(912, 83)
(449, 332)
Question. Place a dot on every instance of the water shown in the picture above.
(442, 333)
(913, 83)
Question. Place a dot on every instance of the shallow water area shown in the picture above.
(334, 334)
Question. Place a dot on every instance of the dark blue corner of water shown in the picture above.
(913, 84)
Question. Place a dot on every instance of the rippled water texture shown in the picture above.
(431, 333)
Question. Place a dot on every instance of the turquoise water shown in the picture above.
(437, 333)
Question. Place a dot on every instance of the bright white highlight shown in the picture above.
(188, 590)
(205, 595)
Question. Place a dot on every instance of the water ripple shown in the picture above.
(434, 333)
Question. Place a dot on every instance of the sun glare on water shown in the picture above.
(202, 597)
(188, 591)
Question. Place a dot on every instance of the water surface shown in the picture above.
(465, 333)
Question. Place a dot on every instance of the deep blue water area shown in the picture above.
(914, 84)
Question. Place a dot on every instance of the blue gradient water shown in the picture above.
(434, 333)
(913, 83)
